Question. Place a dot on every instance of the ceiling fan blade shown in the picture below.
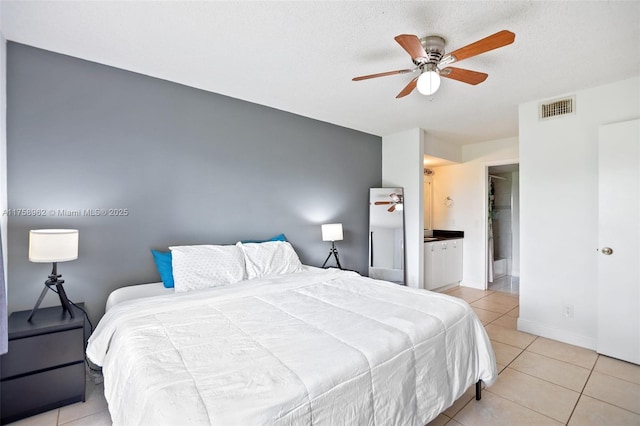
(377, 203)
(466, 76)
(408, 88)
(499, 39)
(391, 209)
(412, 45)
(382, 74)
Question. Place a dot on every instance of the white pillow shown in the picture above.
(203, 266)
(271, 257)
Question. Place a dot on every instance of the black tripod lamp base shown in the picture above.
(333, 252)
(48, 285)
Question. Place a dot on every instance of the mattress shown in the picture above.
(316, 347)
(136, 292)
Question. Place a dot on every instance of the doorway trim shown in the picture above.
(485, 212)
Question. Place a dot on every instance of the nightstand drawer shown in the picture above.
(41, 352)
(36, 393)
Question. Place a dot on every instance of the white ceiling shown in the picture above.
(301, 56)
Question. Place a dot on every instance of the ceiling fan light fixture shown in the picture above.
(428, 56)
(428, 82)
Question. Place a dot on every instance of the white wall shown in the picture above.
(402, 166)
(466, 185)
(435, 147)
(515, 224)
(559, 211)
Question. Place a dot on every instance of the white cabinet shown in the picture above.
(452, 272)
(442, 263)
(433, 265)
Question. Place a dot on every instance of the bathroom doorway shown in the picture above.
(503, 228)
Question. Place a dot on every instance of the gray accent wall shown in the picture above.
(176, 164)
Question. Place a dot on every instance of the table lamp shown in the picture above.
(53, 245)
(332, 232)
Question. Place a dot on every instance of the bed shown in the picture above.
(301, 346)
(139, 291)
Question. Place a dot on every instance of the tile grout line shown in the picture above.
(581, 392)
(593, 370)
(488, 389)
(611, 375)
(545, 380)
(526, 408)
(523, 350)
(539, 378)
(84, 417)
(583, 388)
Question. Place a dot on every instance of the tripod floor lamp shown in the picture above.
(53, 245)
(332, 232)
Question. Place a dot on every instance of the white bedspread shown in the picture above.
(317, 347)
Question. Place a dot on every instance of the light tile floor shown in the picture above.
(541, 381)
(506, 283)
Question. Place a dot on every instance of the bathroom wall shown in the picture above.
(506, 223)
(502, 235)
(466, 184)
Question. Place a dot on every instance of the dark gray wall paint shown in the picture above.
(190, 166)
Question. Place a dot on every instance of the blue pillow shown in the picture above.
(279, 237)
(165, 269)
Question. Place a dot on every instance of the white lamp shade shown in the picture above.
(53, 245)
(428, 82)
(332, 232)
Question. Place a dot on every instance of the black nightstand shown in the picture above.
(44, 367)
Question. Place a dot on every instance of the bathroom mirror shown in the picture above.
(386, 234)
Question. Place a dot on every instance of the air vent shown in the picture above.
(557, 108)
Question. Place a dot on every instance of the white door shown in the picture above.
(619, 241)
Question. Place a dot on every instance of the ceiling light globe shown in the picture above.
(428, 82)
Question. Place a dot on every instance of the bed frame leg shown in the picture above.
(478, 390)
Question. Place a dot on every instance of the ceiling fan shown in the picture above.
(396, 201)
(429, 58)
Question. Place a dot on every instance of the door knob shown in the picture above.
(607, 250)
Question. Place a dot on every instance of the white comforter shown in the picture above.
(317, 347)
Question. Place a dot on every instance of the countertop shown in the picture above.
(443, 235)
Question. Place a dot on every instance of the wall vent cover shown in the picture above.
(557, 108)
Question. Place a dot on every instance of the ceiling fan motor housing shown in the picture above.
(434, 46)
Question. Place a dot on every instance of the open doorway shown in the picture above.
(503, 228)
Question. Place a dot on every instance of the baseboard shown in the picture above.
(555, 334)
(446, 287)
(473, 284)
